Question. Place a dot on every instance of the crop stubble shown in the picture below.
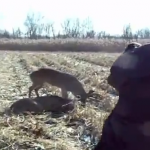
(14, 71)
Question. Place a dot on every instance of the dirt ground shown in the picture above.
(44, 131)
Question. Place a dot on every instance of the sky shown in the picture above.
(108, 15)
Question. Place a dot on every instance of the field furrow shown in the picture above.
(14, 72)
(11, 79)
(100, 59)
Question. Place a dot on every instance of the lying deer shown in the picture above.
(25, 105)
(37, 105)
(66, 82)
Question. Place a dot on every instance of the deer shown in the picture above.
(65, 81)
(23, 106)
(52, 103)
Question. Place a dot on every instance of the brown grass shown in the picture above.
(30, 132)
(91, 68)
(27, 132)
(68, 45)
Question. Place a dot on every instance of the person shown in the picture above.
(128, 125)
(131, 46)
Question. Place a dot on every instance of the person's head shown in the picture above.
(130, 73)
(132, 46)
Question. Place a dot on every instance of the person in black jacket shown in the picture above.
(128, 125)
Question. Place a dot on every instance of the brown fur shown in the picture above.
(66, 82)
(25, 105)
(45, 103)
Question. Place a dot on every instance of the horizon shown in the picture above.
(109, 16)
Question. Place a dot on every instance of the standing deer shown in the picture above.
(66, 82)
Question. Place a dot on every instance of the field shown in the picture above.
(30, 132)
(89, 60)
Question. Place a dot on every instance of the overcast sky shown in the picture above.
(108, 15)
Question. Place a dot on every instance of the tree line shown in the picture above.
(35, 28)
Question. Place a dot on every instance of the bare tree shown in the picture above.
(17, 34)
(36, 27)
(32, 24)
(50, 31)
(127, 33)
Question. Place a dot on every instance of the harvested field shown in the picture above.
(44, 131)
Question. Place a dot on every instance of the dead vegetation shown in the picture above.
(78, 130)
(66, 45)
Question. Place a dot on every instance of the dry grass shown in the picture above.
(44, 131)
(28, 132)
(69, 45)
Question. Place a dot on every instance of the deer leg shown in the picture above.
(36, 90)
(64, 93)
(31, 88)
